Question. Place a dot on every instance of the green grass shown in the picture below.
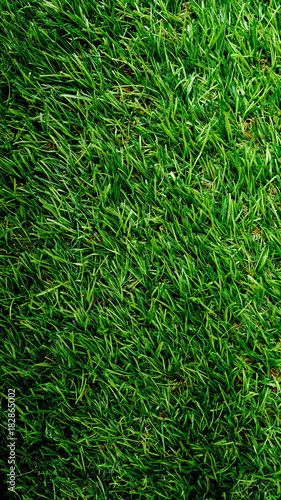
(140, 248)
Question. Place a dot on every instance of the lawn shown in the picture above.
(140, 250)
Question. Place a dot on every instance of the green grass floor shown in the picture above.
(140, 248)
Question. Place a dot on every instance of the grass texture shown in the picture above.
(140, 248)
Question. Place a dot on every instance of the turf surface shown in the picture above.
(140, 248)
